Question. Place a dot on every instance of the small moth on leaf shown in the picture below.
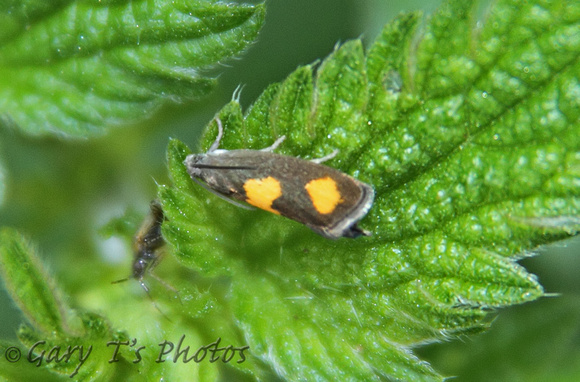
(328, 201)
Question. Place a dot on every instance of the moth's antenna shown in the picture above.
(217, 167)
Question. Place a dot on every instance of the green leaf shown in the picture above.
(471, 139)
(78, 67)
(54, 324)
(30, 285)
(2, 183)
(19, 369)
(516, 347)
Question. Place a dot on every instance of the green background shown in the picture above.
(60, 192)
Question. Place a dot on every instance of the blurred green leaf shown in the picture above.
(29, 285)
(123, 226)
(21, 370)
(92, 340)
(76, 67)
(54, 324)
(2, 183)
(471, 139)
(526, 344)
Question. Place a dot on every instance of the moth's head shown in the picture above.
(191, 164)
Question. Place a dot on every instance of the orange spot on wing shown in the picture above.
(262, 193)
(324, 194)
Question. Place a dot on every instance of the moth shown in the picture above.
(326, 200)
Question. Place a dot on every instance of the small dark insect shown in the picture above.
(146, 245)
